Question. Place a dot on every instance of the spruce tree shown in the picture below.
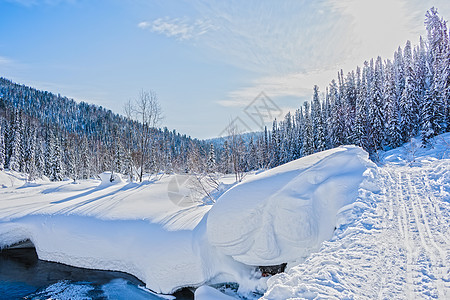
(16, 159)
(2, 148)
(211, 163)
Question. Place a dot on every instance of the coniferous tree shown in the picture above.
(392, 113)
(30, 154)
(308, 138)
(438, 47)
(15, 162)
(408, 99)
(2, 148)
(211, 159)
(56, 170)
(317, 122)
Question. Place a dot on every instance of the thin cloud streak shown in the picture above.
(275, 38)
(5, 61)
(298, 85)
(180, 29)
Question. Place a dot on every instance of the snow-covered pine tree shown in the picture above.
(251, 156)
(56, 169)
(399, 76)
(85, 168)
(40, 158)
(376, 107)
(326, 114)
(392, 114)
(30, 154)
(317, 121)
(348, 103)
(226, 159)
(265, 150)
(438, 47)
(211, 163)
(298, 134)
(409, 98)
(337, 123)
(16, 159)
(275, 146)
(2, 146)
(308, 138)
(286, 139)
(72, 159)
(420, 71)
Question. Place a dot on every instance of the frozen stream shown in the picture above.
(24, 276)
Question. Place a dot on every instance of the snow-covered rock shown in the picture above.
(108, 178)
(283, 214)
(208, 293)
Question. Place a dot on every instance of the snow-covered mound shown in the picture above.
(108, 178)
(414, 153)
(285, 213)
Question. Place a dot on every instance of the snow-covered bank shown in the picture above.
(280, 215)
(395, 244)
(136, 247)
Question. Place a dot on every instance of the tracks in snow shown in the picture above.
(415, 213)
(397, 247)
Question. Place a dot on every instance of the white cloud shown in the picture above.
(295, 45)
(5, 61)
(298, 85)
(379, 27)
(180, 29)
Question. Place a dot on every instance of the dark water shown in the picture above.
(24, 276)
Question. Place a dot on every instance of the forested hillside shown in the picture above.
(46, 134)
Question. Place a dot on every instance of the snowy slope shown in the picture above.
(394, 244)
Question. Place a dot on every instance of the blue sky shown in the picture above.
(206, 60)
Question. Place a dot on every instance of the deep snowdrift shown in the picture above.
(393, 244)
(280, 215)
(285, 213)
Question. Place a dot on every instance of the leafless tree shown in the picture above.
(236, 146)
(147, 111)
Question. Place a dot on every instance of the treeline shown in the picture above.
(46, 134)
(378, 107)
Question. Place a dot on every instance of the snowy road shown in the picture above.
(398, 248)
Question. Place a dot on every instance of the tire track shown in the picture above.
(407, 240)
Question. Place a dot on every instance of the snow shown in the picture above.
(116, 225)
(391, 244)
(413, 153)
(284, 214)
(208, 293)
(281, 215)
(136, 228)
